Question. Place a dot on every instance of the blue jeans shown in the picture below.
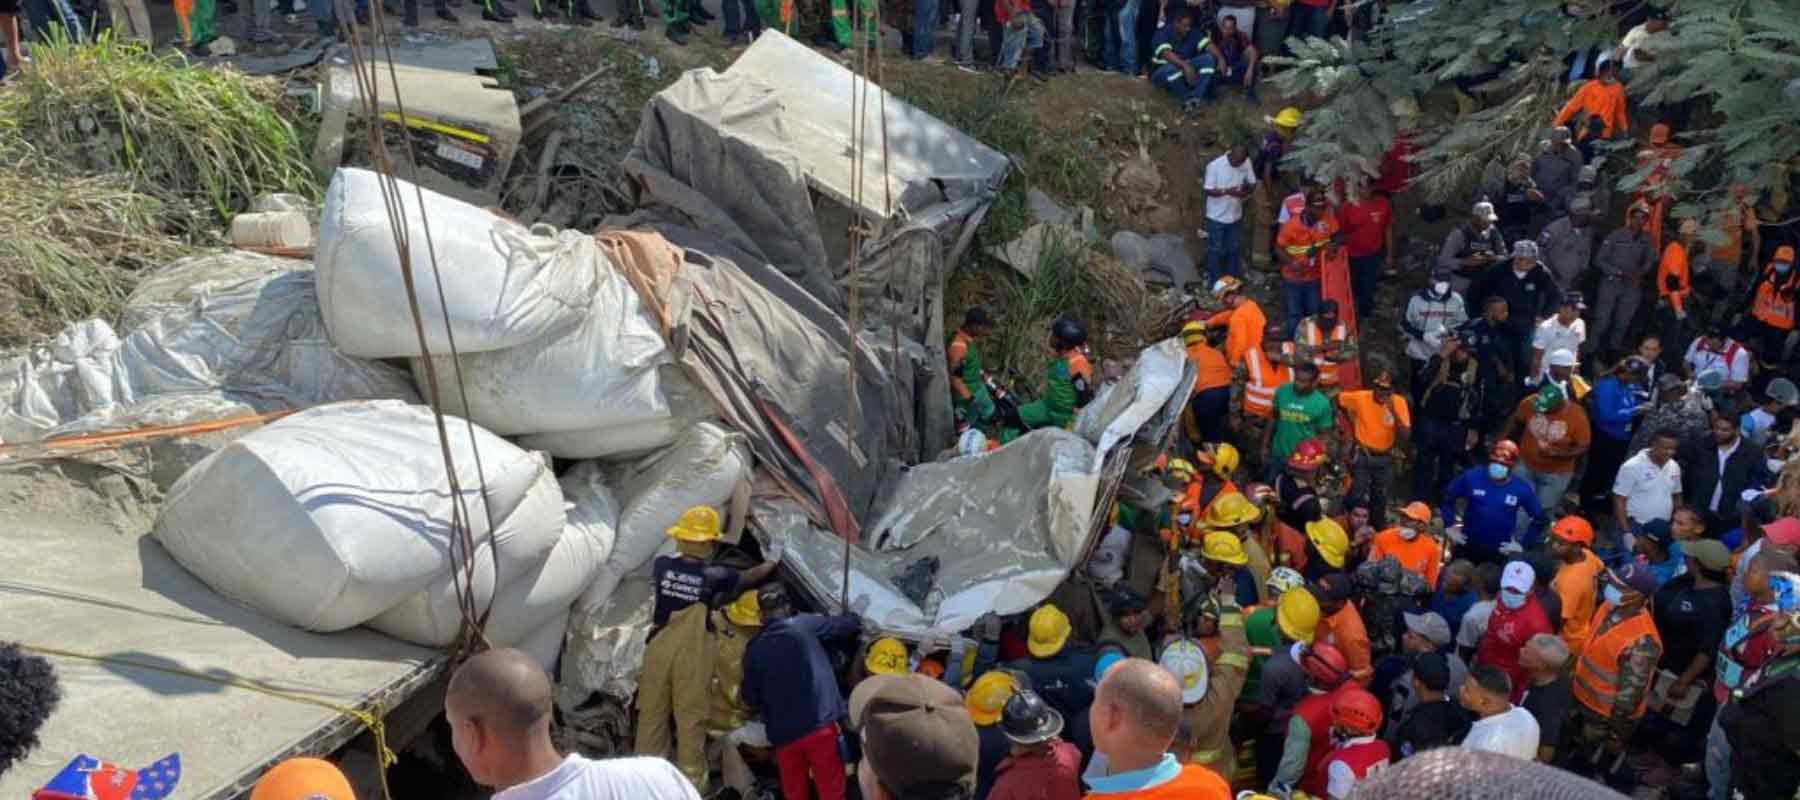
(1022, 31)
(925, 19)
(1118, 51)
(1305, 20)
(1170, 78)
(1224, 248)
(1298, 301)
(1365, 272)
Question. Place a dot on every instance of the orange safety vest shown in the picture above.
(1310, 335)
(1212, 371)
(1597, 670)
(1774, 304)
(1262, 379)
(1194, 782)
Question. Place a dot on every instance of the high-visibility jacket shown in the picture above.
(1576, 585)
(1262, 379)
(1303, 246)
(1319, 341)
(1194, 782)
(1212, 370)
(1600, 99)
(1774, 304)
(1672, 281)
(1596, 679)
(1243, 329)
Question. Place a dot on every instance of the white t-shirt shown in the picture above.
(638, 778)
(1220, 174)
(1107, 565)
(1474, 624)
(1552, 336)
(1736, 365)
(1649, 491)
(1634, 39)
(1514, 733)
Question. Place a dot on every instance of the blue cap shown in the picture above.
(1105, 662)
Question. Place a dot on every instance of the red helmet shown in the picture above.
(1356, 711)
(1308, 455)
(1504, 452)
(1325, 665)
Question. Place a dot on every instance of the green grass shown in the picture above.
(212, 136)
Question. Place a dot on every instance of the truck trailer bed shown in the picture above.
(83, 587)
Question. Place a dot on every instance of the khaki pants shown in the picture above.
(674, 683)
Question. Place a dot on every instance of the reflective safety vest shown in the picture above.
(1310, 335)
(1774, 304)
(1596, 679)
(1262, 379)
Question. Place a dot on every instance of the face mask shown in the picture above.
(1613, 595)
(1520, 272)
(1409, 534)
(1498, 471)
(1512, 600)
(1775, 465)
(1440, 288)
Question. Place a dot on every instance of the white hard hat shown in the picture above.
(972, 442)
(1184, 659)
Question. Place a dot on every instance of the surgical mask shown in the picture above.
(1521, 272)
(1775, 465)
(1613, 595)
(1512, 600)
(1409, 534)
(1782, 267)
(1440, 288)
(1498, 471)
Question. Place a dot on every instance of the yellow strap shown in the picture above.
(1238, 660)
(370, 717)
(1205, 756)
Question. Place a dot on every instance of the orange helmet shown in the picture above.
(1325, 665)
(1504, 452)
(930, 668)
(1308, 456)
(1356, 711)
(1573, 529)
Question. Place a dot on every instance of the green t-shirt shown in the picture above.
(1260, 629)
(1298, 419)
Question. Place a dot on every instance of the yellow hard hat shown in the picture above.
(1193, 332)
(1225, 460)
(1329, 537)
(1297, 614)
(987, 698)
(1048, 631)
(1225, 547)
(1180, 467)
(1286, 118)
(887, 656)
(1230, 510)
(697, 524)
(745, 610)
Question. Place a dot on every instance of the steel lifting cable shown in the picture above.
(857, 59)
(462, 540)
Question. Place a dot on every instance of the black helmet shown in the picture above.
(1123, 600)
(1027, 719)
(1069, 332)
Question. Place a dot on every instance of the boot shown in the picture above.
(677, 33)
(491, 13)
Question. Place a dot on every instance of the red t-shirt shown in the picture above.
(1365, 225)
(1396, 171)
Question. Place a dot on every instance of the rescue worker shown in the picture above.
(1261, 628)
(1068, 383)
(1181, 525)
(968, 377)
(1305, 241)
(1234, 514)
(1298, 506)
(986, 704)
(1341, 625)
(1210, 405)
(1325, 340)
(789, 676)
(1309, 730)
(886, 656)
(1611, 685)
(1327, 548)
(1209, 692)
(1411, 544)
(1225, 561)
(1577, 578)
(1267, 368)
(1282, 681)
(1057, 672)
(732, 721)
(1494, 497)
(1039, 764)
(1771, 320)
(1674, 282)
(1380, 428)
(1242, 319)
(678, 652)
(1356, 752)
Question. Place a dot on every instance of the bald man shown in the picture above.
(1136, 711)
(498, 706)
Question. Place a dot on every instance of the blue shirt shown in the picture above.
(1613, 402)
(1099, 782)
(1493, 509)
(1453, 606)
(1187, 48)
(1666, 571)
(788, 675)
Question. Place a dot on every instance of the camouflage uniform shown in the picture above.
(1389, 589)
(1209, 744)
(1584, 741)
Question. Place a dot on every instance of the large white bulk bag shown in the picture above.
(329, 517)
(703, 468)
(686, 406)
(535, 585)
(503, 284)
(545, 644)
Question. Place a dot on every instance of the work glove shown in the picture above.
(1510, 547)
(1455, 532)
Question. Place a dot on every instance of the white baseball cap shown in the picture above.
(1518, 577)
(1560, 357)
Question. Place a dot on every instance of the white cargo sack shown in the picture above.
(336, 514)
(702, 468)
(503, 284)
(535, 586)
